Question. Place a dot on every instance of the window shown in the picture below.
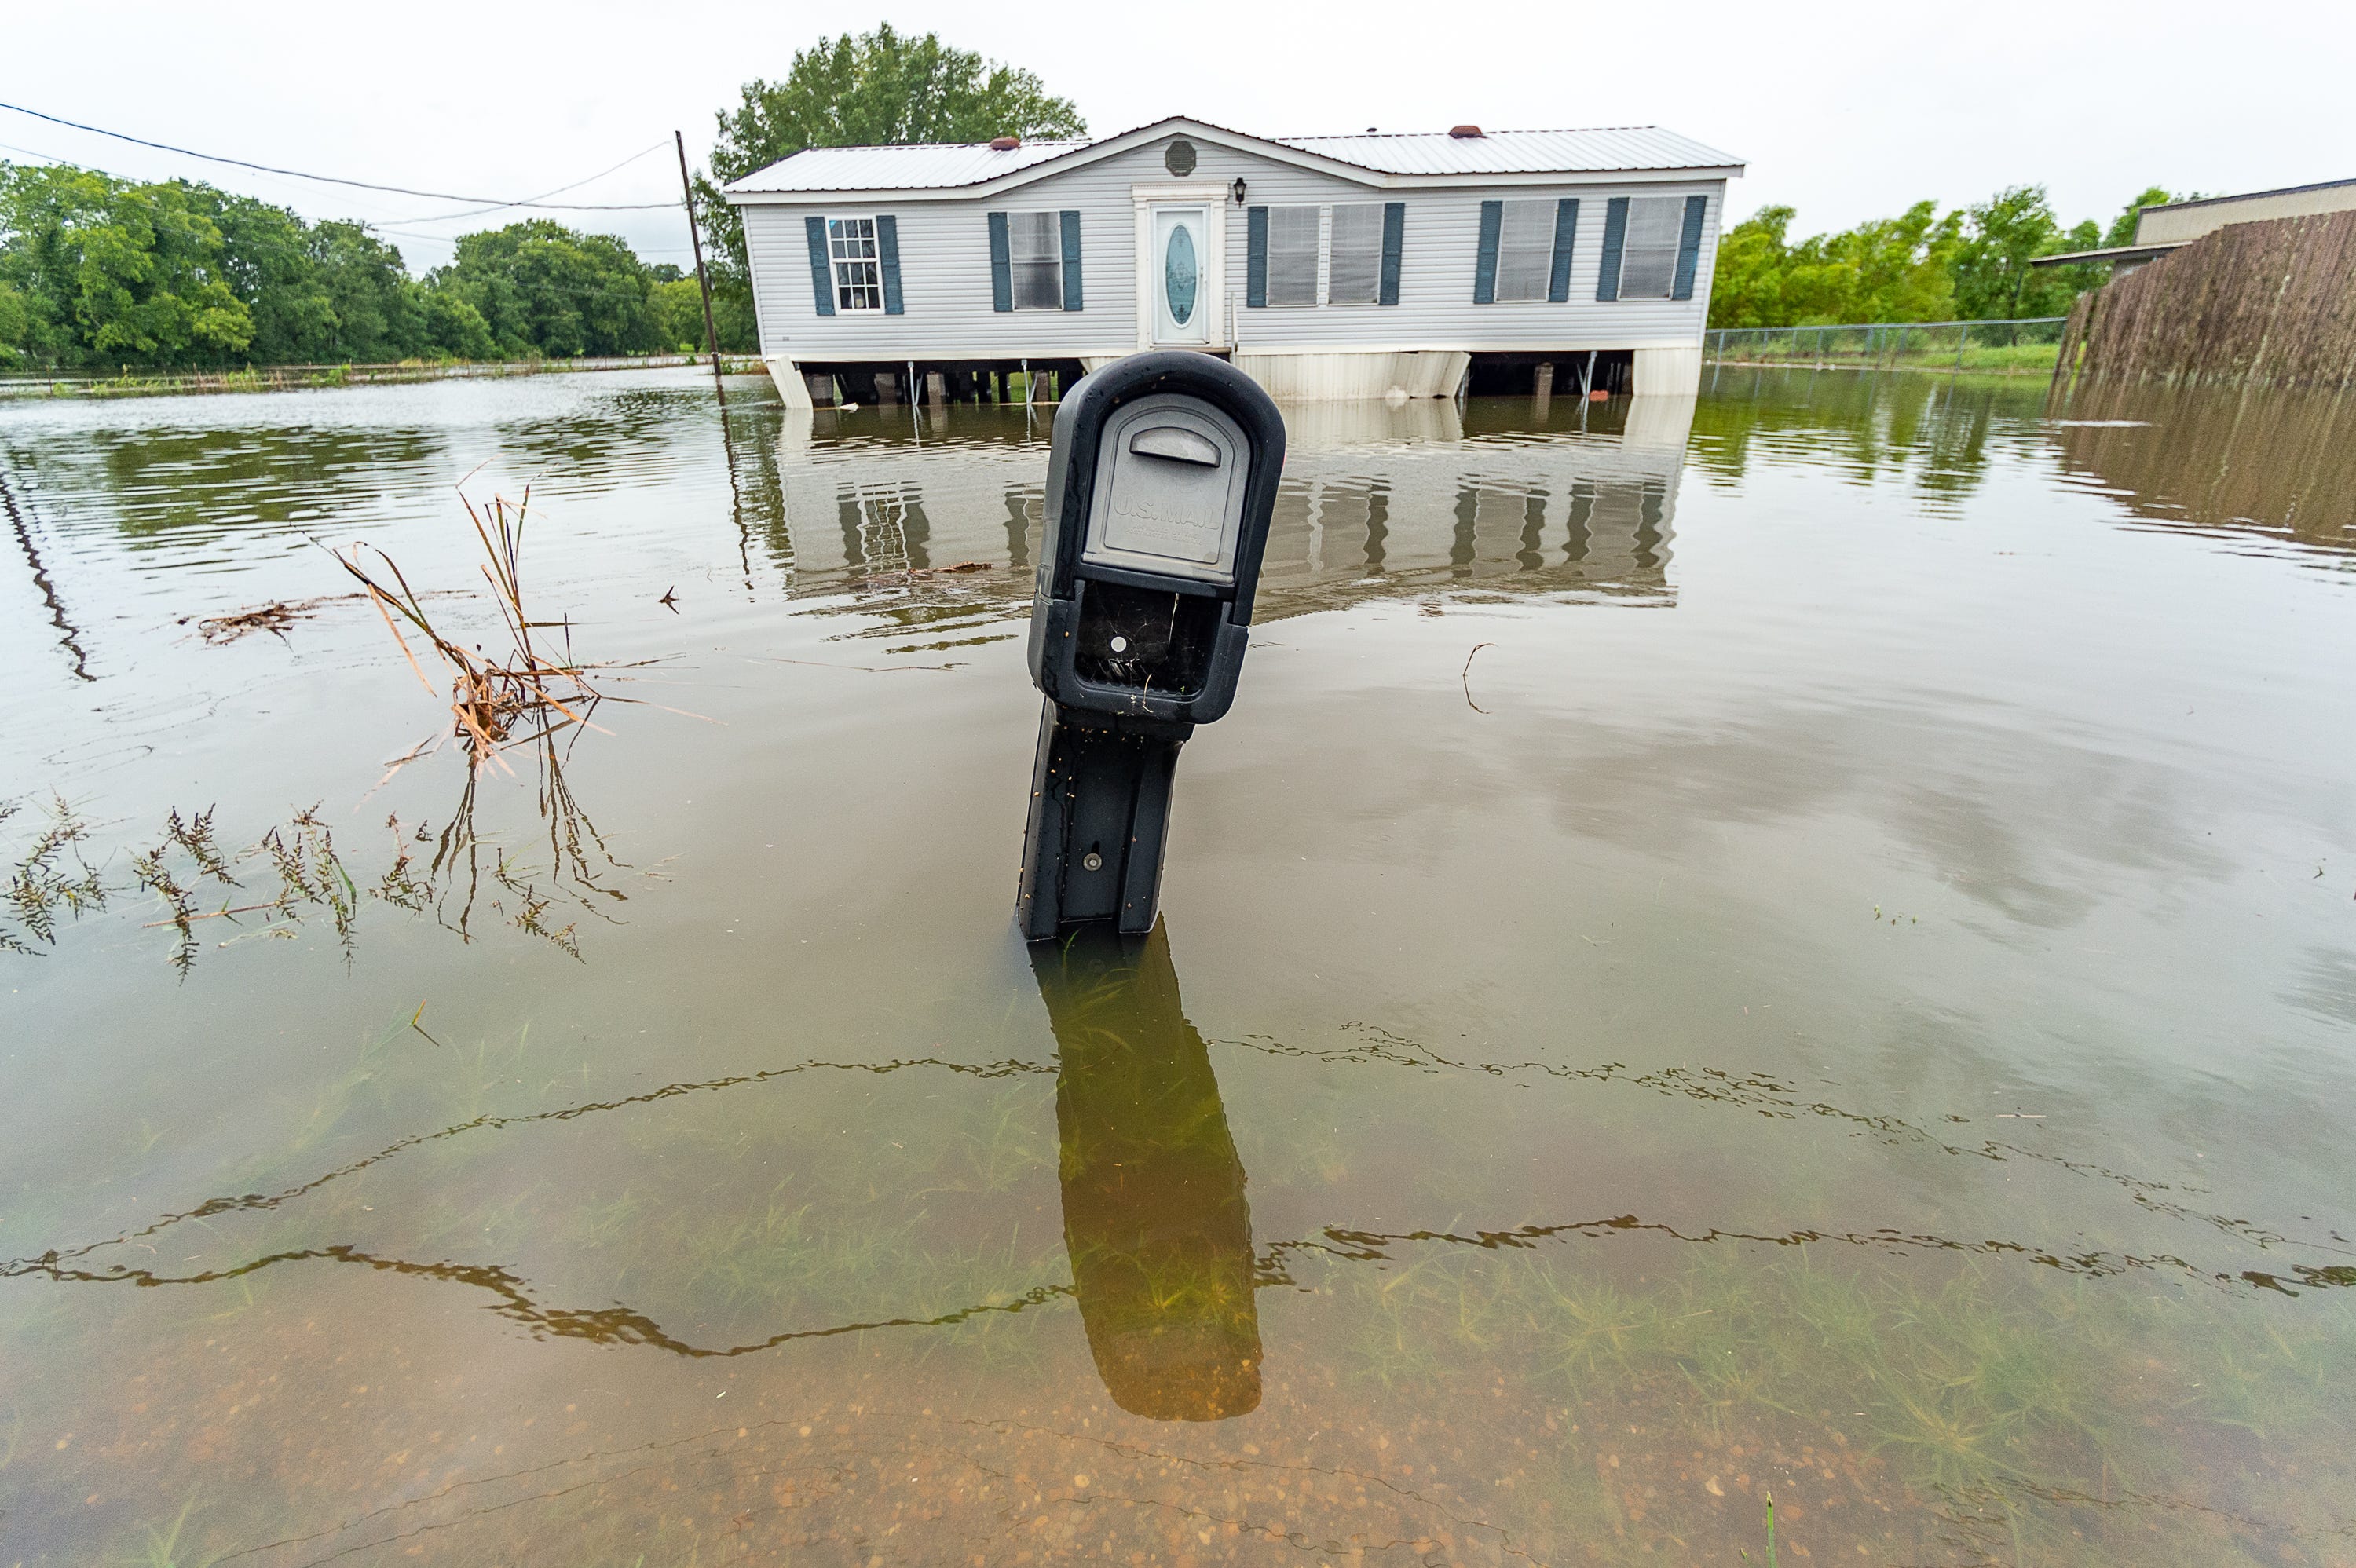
(1035, 243)
(858, 272)
(1293, 255)
(1648, 253)
(1525, 250)
(1357, 270)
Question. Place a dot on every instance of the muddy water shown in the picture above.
(1799, 946)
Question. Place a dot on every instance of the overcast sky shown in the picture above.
(1844, 111)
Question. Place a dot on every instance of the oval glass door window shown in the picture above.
(1181, 276)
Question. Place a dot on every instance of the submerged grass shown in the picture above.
(447, 873)
(1948, 1412)
(2042, 1421)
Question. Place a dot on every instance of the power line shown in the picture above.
(380, 225)
(491, 203)
(543, 195)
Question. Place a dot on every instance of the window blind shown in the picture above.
(1648, 258)
(1356, 276)
(1036, 253)
(1526, 250)
(1291, 255)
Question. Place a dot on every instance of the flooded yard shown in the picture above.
(1799, 946)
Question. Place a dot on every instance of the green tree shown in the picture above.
(679, 308)
(2002, 236)
(117, 273)
(545, 289)
(1894, 269)
(455, 330)
(15, 326)
(874, 90)
(267, 260)
(377, 307)
(2123, 227)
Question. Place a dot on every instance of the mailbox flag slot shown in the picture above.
(1179, 446)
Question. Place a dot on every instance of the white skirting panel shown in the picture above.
(1345, 376)
(792, 389)
(1677, 371)
(1659, 419)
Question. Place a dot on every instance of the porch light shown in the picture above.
(1238, 189)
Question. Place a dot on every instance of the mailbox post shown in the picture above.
(1160, 485)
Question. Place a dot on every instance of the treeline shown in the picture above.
(97, 272)
(1969, 264)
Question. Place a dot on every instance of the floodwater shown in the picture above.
(1801, 946)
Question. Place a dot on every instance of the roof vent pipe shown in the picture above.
(1008, 143)
(1462, 131)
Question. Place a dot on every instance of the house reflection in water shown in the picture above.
(1155, 1215)
(1397, 500)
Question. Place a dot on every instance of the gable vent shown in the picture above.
(1462, 131)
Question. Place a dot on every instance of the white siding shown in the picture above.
(945, 271)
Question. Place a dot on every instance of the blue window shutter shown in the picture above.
(1690, 247)
(1566, 229)
(1484, 269)
(1394, 242)
(1256, 257)
(887, 258)
(821, 274)
(1002, 264)
(1071, 259)
(1615, 235)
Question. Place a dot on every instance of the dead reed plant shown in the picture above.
(518, 697)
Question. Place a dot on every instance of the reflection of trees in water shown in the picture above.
(1937, 432)
(627, 436)
(159, 480)
(2275, 463)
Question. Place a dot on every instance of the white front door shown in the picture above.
(1178, 276)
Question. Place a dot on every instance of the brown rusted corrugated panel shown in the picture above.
(2270, 303)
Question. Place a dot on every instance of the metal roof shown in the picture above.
(2110, 254)
(915, 165)
(1613, 148)
(2248, 195)
(1414, 154)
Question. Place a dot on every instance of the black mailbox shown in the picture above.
(1160, 485)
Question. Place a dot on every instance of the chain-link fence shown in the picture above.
(2024, 343)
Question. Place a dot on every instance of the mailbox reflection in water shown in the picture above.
(1154, 1214)
(1160, 486)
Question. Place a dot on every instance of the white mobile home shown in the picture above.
(1327, 267)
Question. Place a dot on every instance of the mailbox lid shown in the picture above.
(1172, 472)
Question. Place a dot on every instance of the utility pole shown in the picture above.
(695, 236)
